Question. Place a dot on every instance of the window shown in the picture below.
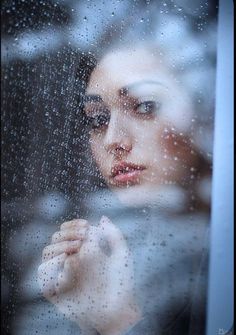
(108, 116)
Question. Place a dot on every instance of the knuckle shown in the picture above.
(56, 236)
(45, 251)
(75, 222)
(83, 221)
(74, 232)
(48, 252)
(65, 224)
(40, 269)
(67, 245)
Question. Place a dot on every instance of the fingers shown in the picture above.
(68, 278)
(48, 275)
(58, 275)
(71, 234)
(71, 231)
(74, 223)
(67, 247)
(68, 240)
(59, 270)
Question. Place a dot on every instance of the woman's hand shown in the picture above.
(87, 272)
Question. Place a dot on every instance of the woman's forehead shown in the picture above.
(122, 68)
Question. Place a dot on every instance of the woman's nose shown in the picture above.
(118, 140)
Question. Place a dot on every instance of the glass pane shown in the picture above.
(108, 115)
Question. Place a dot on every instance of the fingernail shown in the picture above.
(82, 222)
(75, 243)
(82, 232)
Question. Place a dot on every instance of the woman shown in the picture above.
(137, 277)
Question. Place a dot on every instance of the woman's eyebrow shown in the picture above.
(92, 98)
(125, 90)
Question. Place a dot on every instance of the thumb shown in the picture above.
(67, 279)
(113, 234)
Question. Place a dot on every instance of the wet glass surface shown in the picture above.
(108, 115)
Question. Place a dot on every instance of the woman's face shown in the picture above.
(138, 114)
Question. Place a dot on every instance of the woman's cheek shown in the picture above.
(99, 154)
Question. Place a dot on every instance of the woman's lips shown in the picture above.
(127, 173)
(132, 176)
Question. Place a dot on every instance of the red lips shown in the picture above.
(127, 173)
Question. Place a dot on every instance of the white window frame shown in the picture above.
(220, 289)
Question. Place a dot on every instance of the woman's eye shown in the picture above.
(99, 121)
(147, 107)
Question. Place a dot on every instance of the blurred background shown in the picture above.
(47, 173)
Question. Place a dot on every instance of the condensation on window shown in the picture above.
(107, 141)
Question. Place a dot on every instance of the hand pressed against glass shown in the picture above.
(84, 281)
